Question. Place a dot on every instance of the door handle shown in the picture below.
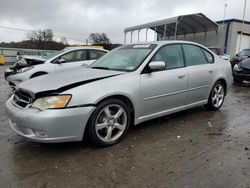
(181, 76)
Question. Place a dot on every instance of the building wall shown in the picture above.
(235, 29)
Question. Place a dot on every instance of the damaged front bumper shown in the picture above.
(49, 126)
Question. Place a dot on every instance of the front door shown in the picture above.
(72, 59)
(164, 91)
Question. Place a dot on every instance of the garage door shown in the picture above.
(245, 42)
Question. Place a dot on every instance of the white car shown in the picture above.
(65, 59)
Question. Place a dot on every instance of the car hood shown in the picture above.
(239, 58)
(245, 64)
(64, 80)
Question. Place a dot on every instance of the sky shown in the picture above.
(76, 19)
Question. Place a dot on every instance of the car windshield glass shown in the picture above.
(127, 58)
(245, 52)
(53, 54)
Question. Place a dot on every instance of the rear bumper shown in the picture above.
(49, 126)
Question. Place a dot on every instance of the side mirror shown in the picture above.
(62, 60)
(157, 65)
(237, 55)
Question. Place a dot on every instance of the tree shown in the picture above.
(99, 38)
(40, 37)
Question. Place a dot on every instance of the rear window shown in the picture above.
(193, 55)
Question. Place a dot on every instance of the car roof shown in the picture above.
(160, 43)
(84, 47)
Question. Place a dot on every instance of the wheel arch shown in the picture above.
(224, 82)
(124, 99)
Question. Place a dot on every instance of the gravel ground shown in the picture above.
(194, 148)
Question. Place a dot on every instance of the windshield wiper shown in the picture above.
(104, 68)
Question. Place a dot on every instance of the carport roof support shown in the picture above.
(179, 25)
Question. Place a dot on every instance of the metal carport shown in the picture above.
(172, 27)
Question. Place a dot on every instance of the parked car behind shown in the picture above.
(241, 72)
(28, 67)
(127, 86)
(218, 51)
(240, 56)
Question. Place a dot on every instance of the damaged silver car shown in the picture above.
(131, 84)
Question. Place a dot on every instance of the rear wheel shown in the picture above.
(217, 96)
(109, 123)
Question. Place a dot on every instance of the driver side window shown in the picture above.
(69, 57)
(171, 55)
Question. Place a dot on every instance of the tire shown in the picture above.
(38, 74)
(217, 96)
(104, 128)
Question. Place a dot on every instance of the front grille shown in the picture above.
(245, 71)
(22, 98)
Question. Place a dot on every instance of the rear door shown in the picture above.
(200, 72)
(164, 90)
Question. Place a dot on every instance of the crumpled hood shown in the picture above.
(64, 80)
(245, 64)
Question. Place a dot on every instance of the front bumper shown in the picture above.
(49, 126)
(241, 77)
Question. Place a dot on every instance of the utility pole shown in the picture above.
(242, 24)
(224, 33)
(224, 17)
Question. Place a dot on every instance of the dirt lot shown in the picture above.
(194, 148)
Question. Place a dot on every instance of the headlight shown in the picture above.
(237, 68)
(24, 69)
(52, 102)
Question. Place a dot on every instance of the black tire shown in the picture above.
(38, 74)
(211, 102)
(95, 136)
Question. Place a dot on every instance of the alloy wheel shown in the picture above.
(111, 122)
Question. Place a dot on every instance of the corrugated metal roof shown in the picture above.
(191, 23)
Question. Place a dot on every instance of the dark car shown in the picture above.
(240, 56)
(241, 71)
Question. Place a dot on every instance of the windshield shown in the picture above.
(127, 58)
(53, 54)
(245, 52)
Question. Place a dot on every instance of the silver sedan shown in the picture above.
(127, 86)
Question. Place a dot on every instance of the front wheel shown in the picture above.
(217, 96)
(109, 123)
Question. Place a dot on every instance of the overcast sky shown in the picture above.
(76, 19)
